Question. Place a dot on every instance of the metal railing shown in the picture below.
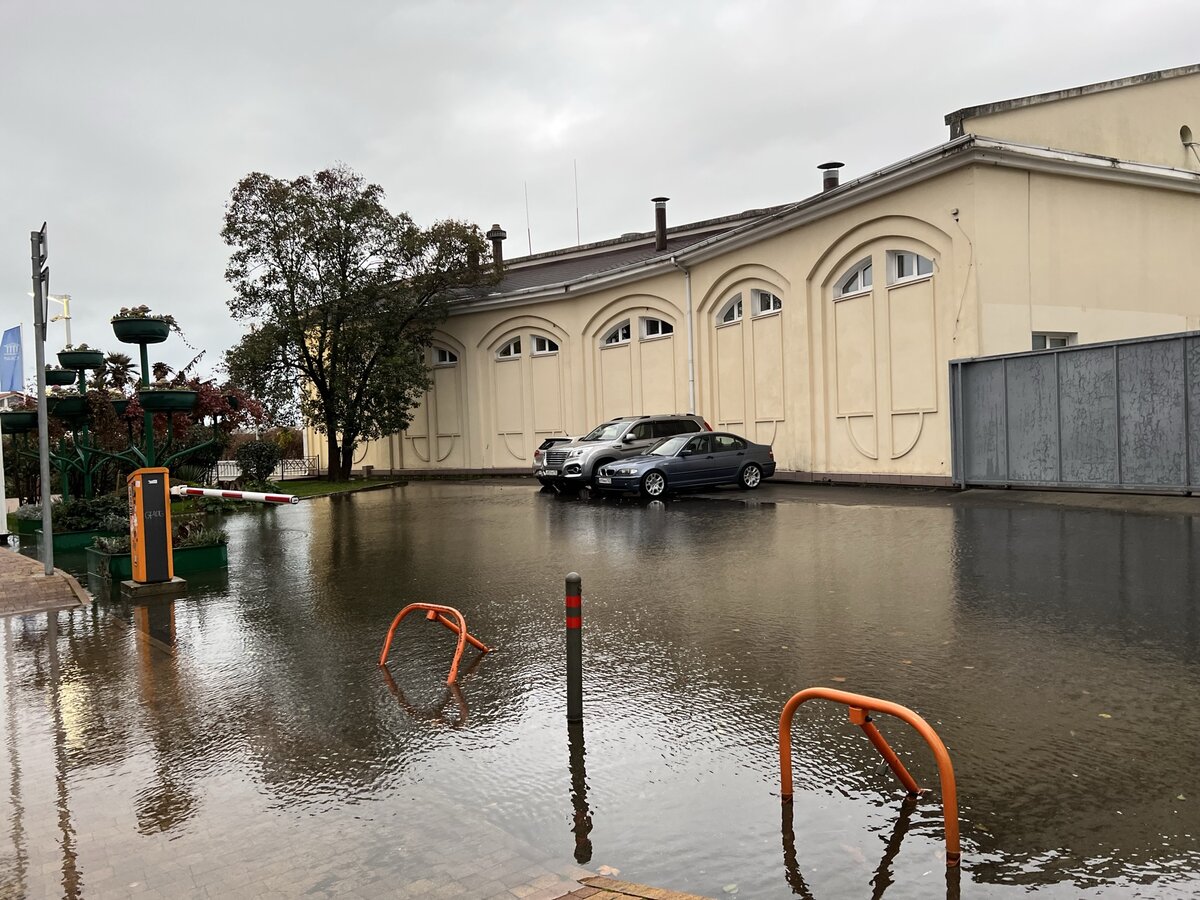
(227, 470)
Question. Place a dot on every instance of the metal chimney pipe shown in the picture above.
(829, 176)
(660, 223)
(497, 235)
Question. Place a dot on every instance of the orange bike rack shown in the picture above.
(860, 705)
(436, 613)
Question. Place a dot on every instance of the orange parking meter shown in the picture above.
(150, 525)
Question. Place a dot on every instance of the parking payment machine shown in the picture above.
(150, 525)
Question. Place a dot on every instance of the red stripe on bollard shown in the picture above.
(574, 602)
(574, 622)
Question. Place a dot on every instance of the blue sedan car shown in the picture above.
(690, 461)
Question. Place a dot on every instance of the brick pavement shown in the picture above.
(25, 588)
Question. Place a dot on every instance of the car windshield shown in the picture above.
(609, 431)
(670, 446)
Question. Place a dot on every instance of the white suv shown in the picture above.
(576, 463)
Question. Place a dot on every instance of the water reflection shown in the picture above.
(435, 712)
(581, 822)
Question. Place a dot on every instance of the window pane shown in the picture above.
(1039, 342)
(666, 328)
(902, 267)
(1056, 342)
(866, 276)
(924, 266)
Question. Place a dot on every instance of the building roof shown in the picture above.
(955, 119)
(572, 263)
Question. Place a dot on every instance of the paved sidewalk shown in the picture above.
(25, 587)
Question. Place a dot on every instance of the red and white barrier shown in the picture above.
(182, 490)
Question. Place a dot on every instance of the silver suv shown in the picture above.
(575, 464)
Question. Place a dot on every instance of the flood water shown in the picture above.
(243, 739)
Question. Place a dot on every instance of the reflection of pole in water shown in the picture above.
(791, 870)
(17, 829)
(882, 879)
(582, 827)
(435, 713)
(71, 882)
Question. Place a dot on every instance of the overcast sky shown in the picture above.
(126, 124)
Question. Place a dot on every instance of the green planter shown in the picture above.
(66, 407)
(141, 331)
(61, 377)
(81, 359)
(25, 527)
(119, 406)
(71, 540)
(168, 401)
(18, 421)
(188, 561)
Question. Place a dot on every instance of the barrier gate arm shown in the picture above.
(860, 705)
(436, 613)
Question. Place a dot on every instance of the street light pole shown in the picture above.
(41, 280)
(65, 300)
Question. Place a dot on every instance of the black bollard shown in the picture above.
(574, 648)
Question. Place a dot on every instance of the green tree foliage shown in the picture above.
(258, 459)
(343, 297)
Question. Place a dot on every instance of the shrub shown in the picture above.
(118, 544)
(258, 459)
(90, 515)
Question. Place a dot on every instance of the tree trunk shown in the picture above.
(347, 458)
(335, 457)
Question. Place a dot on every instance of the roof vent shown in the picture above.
(660, 223)
(829, 175)
(497, 235)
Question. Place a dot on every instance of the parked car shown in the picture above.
(575, 464)
(539, 456)
(690, 461)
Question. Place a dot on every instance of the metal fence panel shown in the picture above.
(1120, 415)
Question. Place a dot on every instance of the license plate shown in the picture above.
(549, 472)
(603, 480)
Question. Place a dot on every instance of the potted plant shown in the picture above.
(80, 356)
(137, 325)
(166, 398)
(63, 405)
(18, 421)
(60, 377)
(195, 548)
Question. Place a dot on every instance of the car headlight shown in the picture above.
(578, 452)
(626, 471)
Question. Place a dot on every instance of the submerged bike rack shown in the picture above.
(860, 705)
(436, 613)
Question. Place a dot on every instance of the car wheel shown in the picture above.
(654, 484)
(750, 477)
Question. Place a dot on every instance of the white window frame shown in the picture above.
(619, 335)
(452, 359)
(757, 303)
(659, 324)
(547, 352)
(513, 346)
(856, 269)
(734, 303)
(1068, 338)
(893, 262)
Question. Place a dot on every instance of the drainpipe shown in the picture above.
(691, 334)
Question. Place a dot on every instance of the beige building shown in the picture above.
(825, 327)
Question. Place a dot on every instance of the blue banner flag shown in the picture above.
(12, 362)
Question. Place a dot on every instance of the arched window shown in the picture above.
(652, 328)
(543, 346)
(444, 357)
(511, 350)
(855, 281)
(904, 265)
(765, 303)
(618, 334)
(731, 311)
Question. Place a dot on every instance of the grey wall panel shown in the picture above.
(1192, 383)
(984, 427)
(1032, 414)
(1150, 395)
(1088, 403)
(1119, 415)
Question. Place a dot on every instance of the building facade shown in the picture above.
(826, 327)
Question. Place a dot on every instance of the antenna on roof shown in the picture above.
(575, 165)
(528, 232)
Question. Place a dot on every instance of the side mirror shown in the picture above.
(685, 452)
(628, 439)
